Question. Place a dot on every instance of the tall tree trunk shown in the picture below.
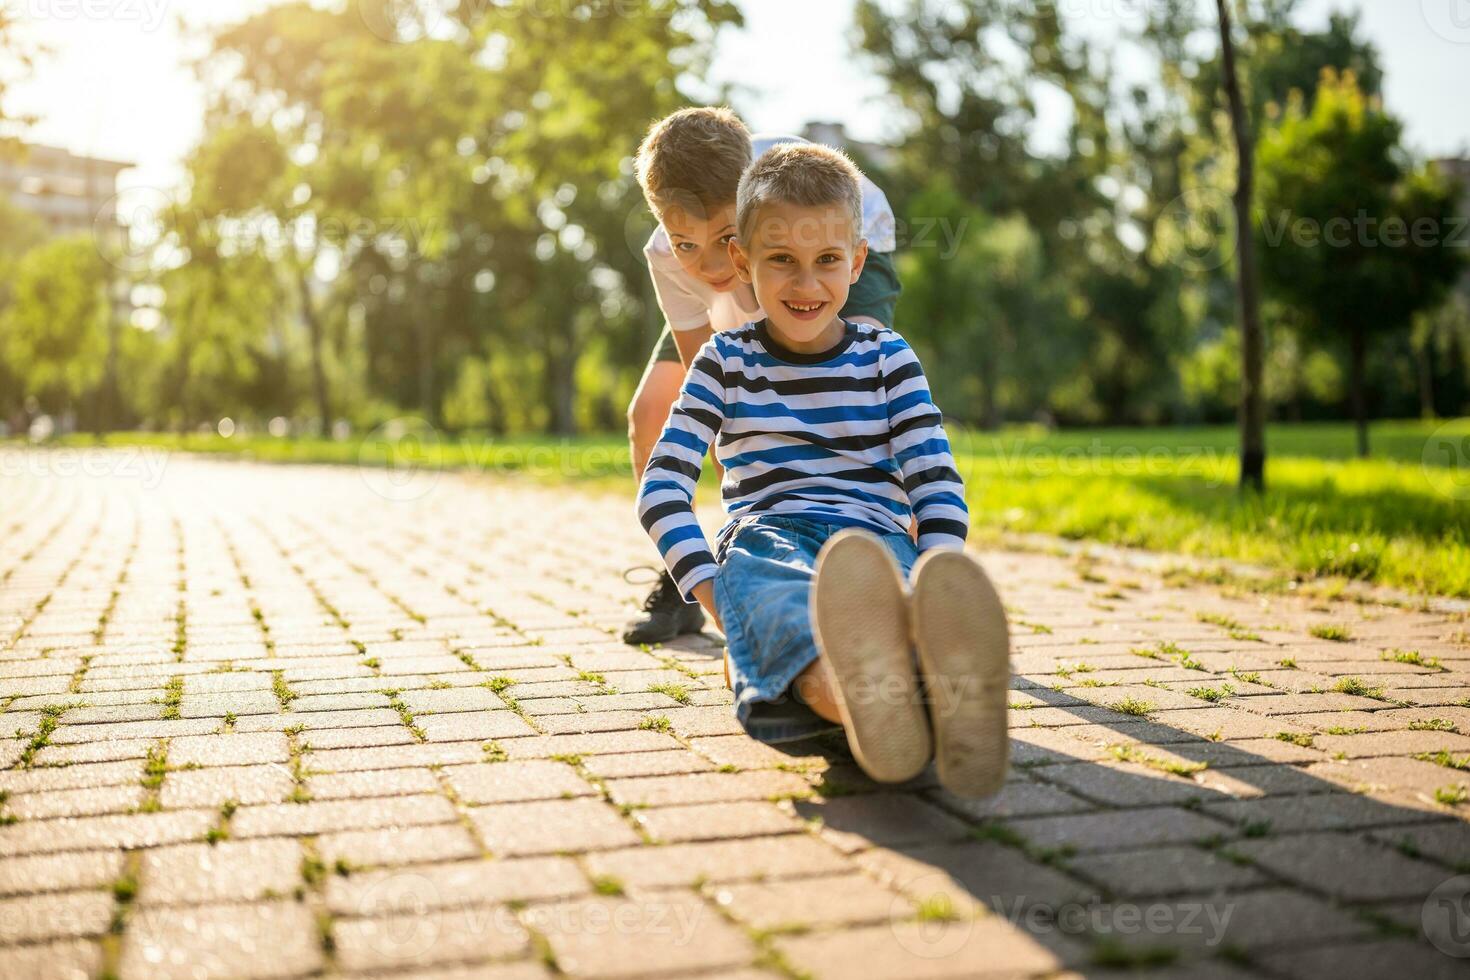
(428, 403)
(1424, 362)
(561, 367)
(989, 415)
(1356, 380)
(318, 369)
(1252, 411)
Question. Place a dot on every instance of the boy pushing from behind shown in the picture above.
(689, 167)
(832, 448)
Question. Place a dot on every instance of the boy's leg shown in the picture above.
(666, 614)
(657, 391)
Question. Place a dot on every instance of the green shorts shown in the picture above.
(875, 295)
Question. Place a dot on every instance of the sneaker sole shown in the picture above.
(860, 621)
(964, 651)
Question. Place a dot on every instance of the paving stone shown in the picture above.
(272, 939)
(236, 702)
(709, 787)
(473, 725)
(396, 756)
(108, 751)
(1361, 961)
(635, 936)
(852, 823)
(451, 700)
(744, 860)
(1123, 784)
(398, 845)
(345, 701)
(551, 826)
(414, 888)
(716, 821)
(453, 935)
(592, 743)
(818, 902)
(37, 918)
(1447, 842)
(1164, 871)
(975, 876)
(110, 831)
(619, 765)
(356, 738)
(228, 750)
(1371, 744)
(74, 802)
(1364, 775)
(213, 787)
(1017, 798)
(1347, 811)
(372, 782)
(70, 960)
(1119, 829)
(508, 782)
(227, 871)
(986, 947)
(327, 815)
(1344, 866)
(311, 720)
(59, 872)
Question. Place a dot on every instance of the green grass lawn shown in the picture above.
(1401, 518)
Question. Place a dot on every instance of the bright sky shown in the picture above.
(117, 85)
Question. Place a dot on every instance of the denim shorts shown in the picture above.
(763, 593)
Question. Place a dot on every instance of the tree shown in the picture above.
(981, 308)
(19, 232)
(17, 56)
(53, 335)
(1355, 238)
(1252, 399)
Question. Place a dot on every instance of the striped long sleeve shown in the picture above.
(919, 444)
(847, 437)
(666, 497)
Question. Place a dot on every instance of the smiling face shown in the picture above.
(802, 260)
(701, 243)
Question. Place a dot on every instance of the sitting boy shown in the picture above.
(831, 448)
(689, 166)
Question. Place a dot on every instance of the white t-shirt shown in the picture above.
(689, 302)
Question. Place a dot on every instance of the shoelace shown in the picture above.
(655, 598)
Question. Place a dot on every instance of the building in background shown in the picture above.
(70, 194)
(835, 134)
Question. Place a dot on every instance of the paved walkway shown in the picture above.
(275, 722)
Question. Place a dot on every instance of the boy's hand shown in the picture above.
(705, 593)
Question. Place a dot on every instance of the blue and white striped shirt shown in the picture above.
(849, 436)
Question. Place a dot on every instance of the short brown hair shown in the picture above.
(693, 155)
(804, 174)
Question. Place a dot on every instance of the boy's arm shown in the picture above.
(691, 341)
(665, 500)
(916, 436)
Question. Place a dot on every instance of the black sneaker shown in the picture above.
(668, 615)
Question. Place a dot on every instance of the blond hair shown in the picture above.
(804, 174)
(693, 159)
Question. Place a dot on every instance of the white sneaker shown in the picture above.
(860, 618)
(964, 654)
